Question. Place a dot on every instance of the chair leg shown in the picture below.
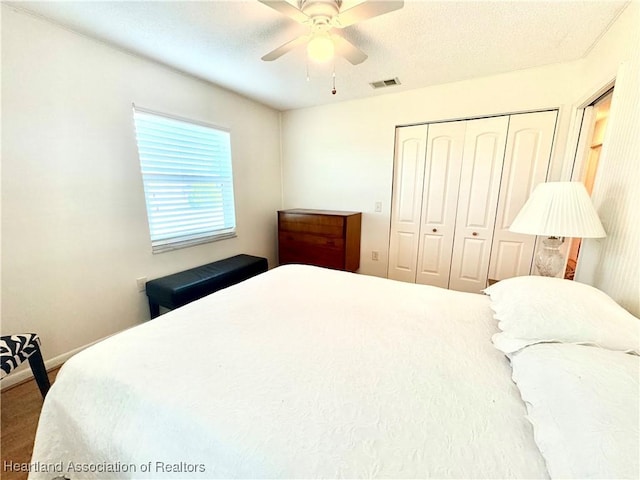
(39, 372)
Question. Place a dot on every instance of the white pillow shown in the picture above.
(534, 309)
(584, 405)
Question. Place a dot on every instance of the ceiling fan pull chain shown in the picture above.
(333, 90)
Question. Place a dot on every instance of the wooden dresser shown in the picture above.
(320, 237)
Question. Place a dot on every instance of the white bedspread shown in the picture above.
(299, 372)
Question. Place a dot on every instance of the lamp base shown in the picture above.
(549, 260)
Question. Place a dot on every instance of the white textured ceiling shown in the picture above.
(425, 43)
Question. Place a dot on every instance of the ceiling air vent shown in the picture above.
(385, 83)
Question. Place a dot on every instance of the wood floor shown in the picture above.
(20, 409)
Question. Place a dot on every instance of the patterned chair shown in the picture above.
(15, 349)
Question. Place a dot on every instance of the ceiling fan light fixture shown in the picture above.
(321, 17)
(321, 48)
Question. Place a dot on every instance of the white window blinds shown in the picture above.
(188, 182)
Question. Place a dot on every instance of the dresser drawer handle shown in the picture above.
(475, 234)
(434, 230)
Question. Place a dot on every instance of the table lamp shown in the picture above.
(557, 210)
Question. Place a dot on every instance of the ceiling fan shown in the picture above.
(322, 16)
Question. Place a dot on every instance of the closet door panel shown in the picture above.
(472, 250)
(404, 260)
(445, 143)
(429, 263)
(509, 258)
(483, 156)
(408, 178)
(527, 157)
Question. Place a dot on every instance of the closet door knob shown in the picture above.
(434, 230)
(475, 234)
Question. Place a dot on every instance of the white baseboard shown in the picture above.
(25, 373)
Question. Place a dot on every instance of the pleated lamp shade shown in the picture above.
(559, 209)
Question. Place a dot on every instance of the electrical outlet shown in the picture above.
(378, 207)
(142, 283)
(375, 255)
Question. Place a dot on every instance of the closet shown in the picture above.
(456, 188)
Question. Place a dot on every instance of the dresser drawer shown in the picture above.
(325, 225)
(321, 254)
(310, 240)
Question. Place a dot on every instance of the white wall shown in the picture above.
(341, 156)
(74, 230)
(613, 263)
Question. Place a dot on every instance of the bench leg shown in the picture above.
(154, 309)
(39, 372)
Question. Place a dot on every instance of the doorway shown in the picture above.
(592, 135)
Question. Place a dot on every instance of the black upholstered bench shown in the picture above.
(178, 289)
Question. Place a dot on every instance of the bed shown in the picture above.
(305, 372)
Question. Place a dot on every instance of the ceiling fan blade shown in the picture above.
(287, 9)
(348, 50)
(287, 47)
(366, 10)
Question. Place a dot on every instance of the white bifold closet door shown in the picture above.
(484, 146)
(445, 145)
(457, 186)
(407, 201)
(527, 157)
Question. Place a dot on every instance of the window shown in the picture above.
(188, 183)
